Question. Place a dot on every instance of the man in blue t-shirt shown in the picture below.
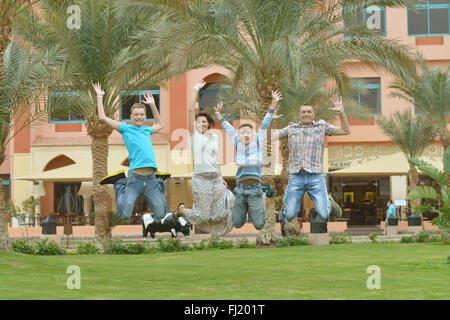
(390, 213)
(141, 175)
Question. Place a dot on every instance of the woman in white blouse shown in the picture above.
(211, 211)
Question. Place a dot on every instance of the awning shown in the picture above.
(391, 165)
(226, 170)
(73, 172)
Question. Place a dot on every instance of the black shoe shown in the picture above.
(162, 175)
(335, 210)
(113, 178)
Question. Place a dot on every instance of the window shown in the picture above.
(371, 99)
(128, 99)
(431, 19)
(209, 97)
(374, 17)
(61, 110)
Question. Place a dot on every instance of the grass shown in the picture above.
(408, 271)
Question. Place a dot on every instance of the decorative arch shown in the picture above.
(215, 78)
(58, 162)
(126, 162)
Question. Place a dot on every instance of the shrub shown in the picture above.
(216, 243)
(88, 248)
(408, 239)
(22, 246)
(292, 241)
(44, 247)
(244, 243)
(340, 238)
(171, 245)
(373, 237)
(423, 236)
(200, 245)
(134, 248)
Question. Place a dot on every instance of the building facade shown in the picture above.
(57, 154)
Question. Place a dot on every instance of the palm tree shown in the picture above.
(103, 50)
(9, 9)
(412, 135)
(429, 92)
(264, 43)
(25, 78)
(436, 195)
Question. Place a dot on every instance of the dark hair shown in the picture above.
(208, 118)
(246, 125)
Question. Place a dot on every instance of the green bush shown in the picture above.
(44, 247)
(171, 245)
(88, 248)
(244, 243)
(340, 238)
(22, 246)
(216, 243)
(292, 241)
(120, 247)
(423, 236)
(373, 237)
(408, 239)
(202, 245)
(134, 248)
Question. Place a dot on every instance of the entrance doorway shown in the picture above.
(363, 199)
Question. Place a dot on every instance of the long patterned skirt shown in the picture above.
(213, 202)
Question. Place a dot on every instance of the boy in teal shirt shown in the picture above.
(141, 175)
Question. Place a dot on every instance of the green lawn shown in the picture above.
(408, 271)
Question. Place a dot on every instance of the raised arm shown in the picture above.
(229, 129)
(101, 111)
(192, 103)
(344, 129)
(271, 114)
(148, 99)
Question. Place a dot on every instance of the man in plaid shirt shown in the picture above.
(306, 141)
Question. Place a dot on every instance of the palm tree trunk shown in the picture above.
(5, 39)
(267, 237)
(413, 176)
(99, 149)
(5, 243)
(444, 138)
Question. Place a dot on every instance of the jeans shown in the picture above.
(248, 197)
(128, 190)
(314, 185)
(389, 215)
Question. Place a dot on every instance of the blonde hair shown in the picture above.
(137, 106)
